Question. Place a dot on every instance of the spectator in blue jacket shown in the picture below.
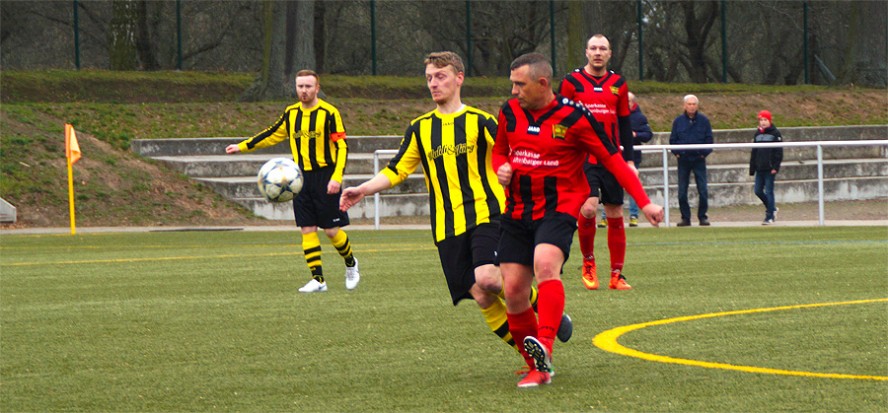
(689, 128)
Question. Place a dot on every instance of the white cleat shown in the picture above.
(314, 286)
(352, 276)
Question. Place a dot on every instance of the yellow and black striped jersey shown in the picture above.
(455, 151)
(317, 137)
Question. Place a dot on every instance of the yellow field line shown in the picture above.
(607, 341)
(195, 257)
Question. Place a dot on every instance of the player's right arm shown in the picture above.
(353, 195)
(501, 152)
(272, 135)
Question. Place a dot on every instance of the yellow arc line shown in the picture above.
(607, 341)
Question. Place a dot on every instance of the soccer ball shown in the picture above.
(280, 179)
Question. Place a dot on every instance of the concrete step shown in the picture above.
(392, 205)
(249, 164)
(153, 148)
(246, 187)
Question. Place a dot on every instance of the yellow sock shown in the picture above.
(311, 247)
(343, 246)
(495, 317)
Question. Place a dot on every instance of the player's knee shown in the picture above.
(488, 280)
(589, 209)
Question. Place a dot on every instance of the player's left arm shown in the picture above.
(337, 137)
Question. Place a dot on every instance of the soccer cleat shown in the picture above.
(602, 223)
(565, 329)
(534, 379)
(352, 276)
(590, 274)
(539, 353)
(633, 221)
(618, 281)
(524, 371)
(314, 286)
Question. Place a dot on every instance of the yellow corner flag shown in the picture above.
(72, 153)
(72, 148)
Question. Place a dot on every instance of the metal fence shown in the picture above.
(664, 150)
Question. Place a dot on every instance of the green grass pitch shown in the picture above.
(211, 321)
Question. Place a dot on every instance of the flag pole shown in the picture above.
(71, 196)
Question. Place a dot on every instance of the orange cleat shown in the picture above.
(618, 281)
(590, 275)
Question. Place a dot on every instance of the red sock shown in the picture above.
(586, 229)
(551, 307)
(522, 325)
(616, 242)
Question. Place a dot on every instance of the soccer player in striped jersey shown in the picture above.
(541, 144)
(314, 130)
(453, 143)
(605, 94)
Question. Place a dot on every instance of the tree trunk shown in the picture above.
(304, 47)
(144, 45)
(121, 36)
(271, 82)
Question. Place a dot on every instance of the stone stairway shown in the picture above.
(859, 172)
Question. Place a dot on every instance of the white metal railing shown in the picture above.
(664, 149)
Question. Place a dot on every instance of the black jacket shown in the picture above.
(643, 133)
(766, 159)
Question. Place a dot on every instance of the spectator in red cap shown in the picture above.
(764, 163)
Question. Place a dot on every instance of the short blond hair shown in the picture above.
(444, 59)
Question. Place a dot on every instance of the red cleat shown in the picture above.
(534, 379)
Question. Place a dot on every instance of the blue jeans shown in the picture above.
(764, 190)
(633, 207)
(698, 166)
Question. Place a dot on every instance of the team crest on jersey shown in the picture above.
(559, 131)
(615, 90)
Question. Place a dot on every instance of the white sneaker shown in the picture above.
(352, 276)
(314, 286)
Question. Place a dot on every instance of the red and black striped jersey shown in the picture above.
(606, 97)
(546, 150)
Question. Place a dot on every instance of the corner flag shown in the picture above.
(72, 153)
(72, 148)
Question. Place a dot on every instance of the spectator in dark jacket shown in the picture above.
(689, 128)
(764, 163)
(641, 133)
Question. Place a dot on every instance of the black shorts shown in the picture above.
(460, 255)
(314, 206)
(519, 238)
(603, 185)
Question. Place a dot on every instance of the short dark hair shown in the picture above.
(308, 72)
(539, 65)
(444, 59)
